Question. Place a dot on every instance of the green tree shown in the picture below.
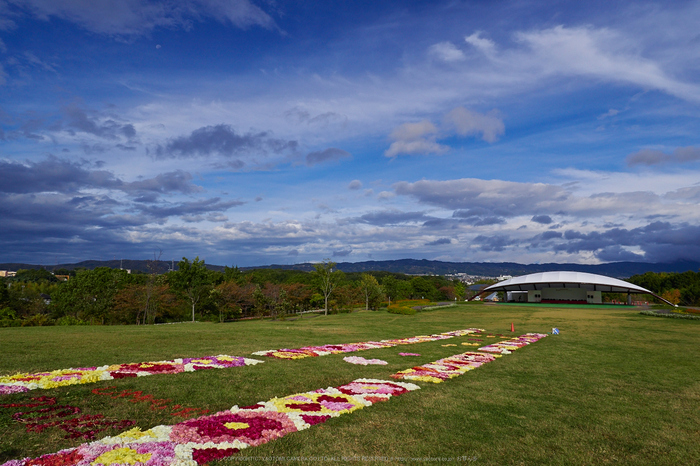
(90, 295)
(259, 301)
(28, 299)
(233, 274)
(396, 289)
(34, 276)
(4, 293)
(192, 280)
(371, 290)
(424, 288)
(460, 290)
(690, 296)
(326, 279)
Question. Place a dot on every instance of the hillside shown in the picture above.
(407, 266)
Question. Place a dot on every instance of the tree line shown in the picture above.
(193, 292)
(678, 288)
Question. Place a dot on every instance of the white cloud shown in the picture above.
(601, 53)
(467, 123)
(590, 182)
(624, 201)
(415, 138)
(657, 157)
(413, 131)
(505, 197)
(447, 52)
(419, 146)
(136, 17)
(355, 185)
(610, 113)
(485, 46)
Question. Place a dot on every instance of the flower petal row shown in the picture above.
(323, 350)
(204, 439)
(363, 361)
(506, 346)
(24, 382)
(445, 368)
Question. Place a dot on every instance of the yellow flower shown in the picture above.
(424, 378)
(288, 355)
(135, 434)
(236, 425)
(121, 456)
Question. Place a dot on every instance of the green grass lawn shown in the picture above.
(613, 387)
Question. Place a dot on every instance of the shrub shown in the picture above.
(38, 320)
(71, 320)
(10, 322)
(407, 306)
(407, 311)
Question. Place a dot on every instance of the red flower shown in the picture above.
(313, 420)
(206, 455)
(262, 427)
(122, 375)
(65, 458)
(305, 406)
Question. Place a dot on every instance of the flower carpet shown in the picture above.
(59, 378)
(445, 368)
(201, 440)
(505, 347)
(458, 364)
(209, 437)
(324, 350)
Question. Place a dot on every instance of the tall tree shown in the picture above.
(327, 279)
(460, 290)
(299, 296)
(89, 296)
(232, 299)
(191, 279)
(142, 303)
(371, 289)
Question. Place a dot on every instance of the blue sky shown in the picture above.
(257, 132)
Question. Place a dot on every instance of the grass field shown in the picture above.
(613, 387)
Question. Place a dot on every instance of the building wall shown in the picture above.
(595, 297)
(565, 294)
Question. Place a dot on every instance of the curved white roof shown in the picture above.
(588, 281)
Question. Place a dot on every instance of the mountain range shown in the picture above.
(407, 266)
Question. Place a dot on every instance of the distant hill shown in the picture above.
(493, 269)
(407, 266)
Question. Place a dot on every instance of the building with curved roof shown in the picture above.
(565, 287)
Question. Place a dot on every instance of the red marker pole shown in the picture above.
(512, 329)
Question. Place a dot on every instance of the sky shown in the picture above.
(256, 132)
